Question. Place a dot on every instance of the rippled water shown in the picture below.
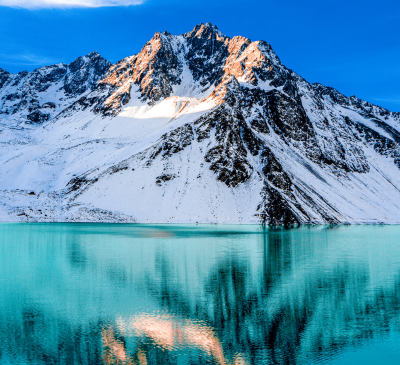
(140, 294)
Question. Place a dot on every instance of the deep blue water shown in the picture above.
(181, 294)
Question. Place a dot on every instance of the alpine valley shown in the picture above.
(195, 128)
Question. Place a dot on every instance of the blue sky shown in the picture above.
(351, 45)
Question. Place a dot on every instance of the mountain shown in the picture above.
(194, 128)
(38, 96)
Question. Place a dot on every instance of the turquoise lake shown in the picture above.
(199, 294)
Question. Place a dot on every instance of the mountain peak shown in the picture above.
(84, 60)
(210, 25)
(93, 54)
(205, 31)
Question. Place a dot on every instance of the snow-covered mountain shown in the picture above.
(195, 128)
(38, 96)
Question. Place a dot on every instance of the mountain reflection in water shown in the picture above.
(167, 333)
(137, 294)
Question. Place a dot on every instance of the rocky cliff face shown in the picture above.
(194, 128)
(36, 97)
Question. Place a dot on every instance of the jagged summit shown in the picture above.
(188, 65)
(210, 25)
(93, 54)
(205, 31)
(199, 127)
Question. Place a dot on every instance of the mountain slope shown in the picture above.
(197, 128)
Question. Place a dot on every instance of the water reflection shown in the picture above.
(163, 332)
(85, 294)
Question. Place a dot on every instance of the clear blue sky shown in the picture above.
(351, 45)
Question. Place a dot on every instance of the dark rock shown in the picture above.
(38, 117)
(164, 178)
(49, 105)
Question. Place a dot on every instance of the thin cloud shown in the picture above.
(36, 4)
(389, 99)
(25, 60)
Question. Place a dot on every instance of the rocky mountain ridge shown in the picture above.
(195, 128)
(38, 96)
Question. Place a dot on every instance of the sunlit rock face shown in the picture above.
(198, 127)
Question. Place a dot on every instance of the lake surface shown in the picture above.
(142, 294)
